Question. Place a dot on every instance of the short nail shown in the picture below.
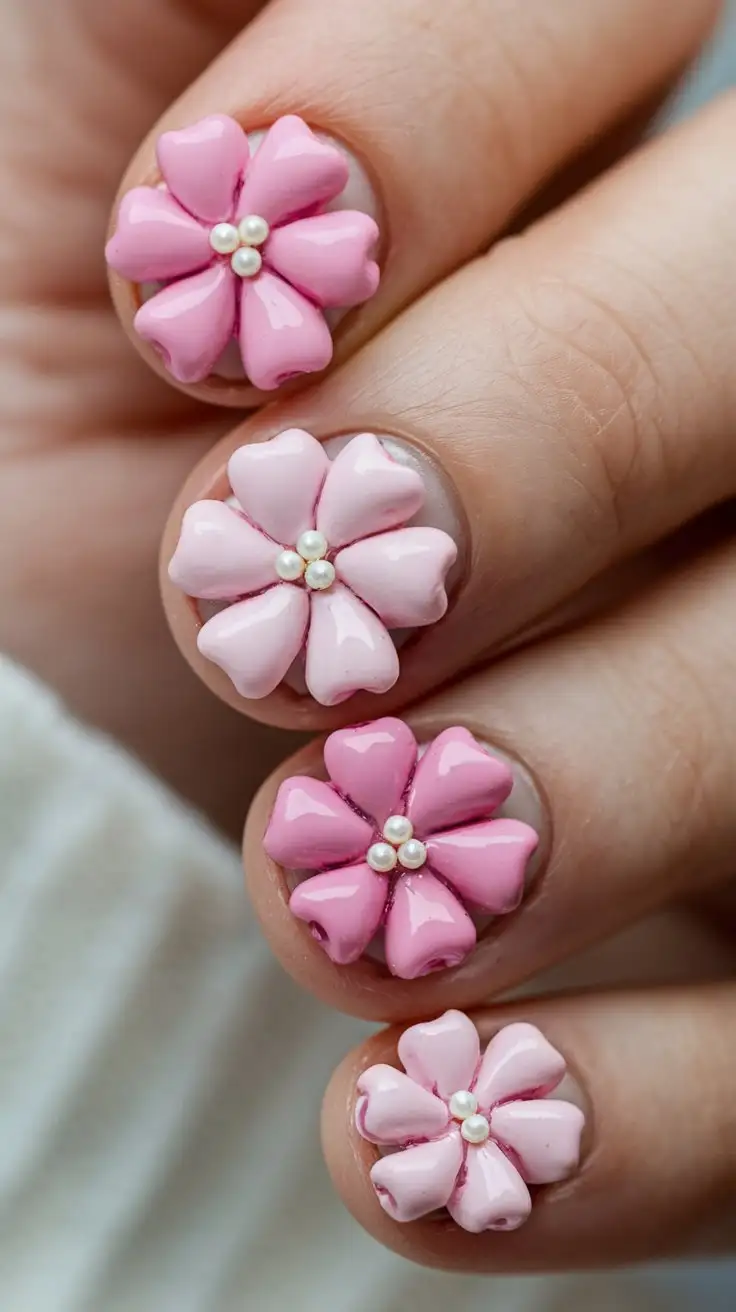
(476, 1130)
(410, 843)
(321, 560)
(252, 244)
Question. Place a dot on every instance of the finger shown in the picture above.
(614, 746)
(474, 94)
(656, 1178)
(589, 411)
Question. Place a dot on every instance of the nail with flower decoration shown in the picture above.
(402, 841)
(473, 1131)
(316, 560)
(242, 245)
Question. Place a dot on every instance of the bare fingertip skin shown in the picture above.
(234, 265)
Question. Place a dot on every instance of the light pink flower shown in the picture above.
(474, 1132)
(400, 840)
(267, 283)
(316, 556)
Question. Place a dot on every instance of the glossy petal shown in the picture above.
(493, 1195)
(348, 649)
(400, 575)
(219, 555)
(328, 257)
(392, 1109)
(420, 1179)
(191, 322)
(543, 1135)
(155, 239)
(256, 641)
(311, 826)
(291, 173)
(278, 482)
(456, 781)
(203, 165)
(282, 334)
(344, 909)
(518, 1063)
(372, 764)
(366, 492)
(427, 929)
(485, 862)
(442, 1055)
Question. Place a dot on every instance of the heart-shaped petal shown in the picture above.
(348, 649)
(485, 862)
(344, 909)
(543, 1135)
(419, 1180)
(392, 1109)
(291, 173)
(372, 764)
(456, 781)
(427, 929)
(442, 1055)
(256, 641)
(203, 166)
(155, 239)
(190, 322)
(282, 334)
(219, 555)
(518, 1063)
(366, 491)
(327, 257)
(400, 575)
(311, 826)
(493, 1195)
(277, 483)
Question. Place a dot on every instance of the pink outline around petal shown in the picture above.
(291, 173)
(443, 1054)
(344, 909)
(544, 1136)
(518, 1063)
(190, 322)
(485, 862)
(203, 166)
(419, 1180)
(327, 257)
(457, 781)
(493, 1195)
(393, 1109)
(155, 239)
(427, 928)
(400, 575)
(311, 826)
(371, 764)
(282, 334)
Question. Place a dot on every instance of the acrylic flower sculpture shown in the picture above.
(474, 1132)
(245, 249)
(316, 556)
(400, 840)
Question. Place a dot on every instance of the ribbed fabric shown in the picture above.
(160, 1078)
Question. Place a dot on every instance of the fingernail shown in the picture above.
(476, 1131)
(402, 842)
(322, 558)
(248, 237)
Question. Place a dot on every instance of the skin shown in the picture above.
(576, 386)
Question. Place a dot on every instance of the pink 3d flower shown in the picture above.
(317, 555)
(245, 249)
(401, 840)
(473, 1132)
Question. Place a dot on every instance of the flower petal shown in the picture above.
(456, 781)
(348, 649)
(203, 165)
(493, 1195)
(366, 492)
(328, 257)
(427, 928)
(518, 1063)
(442, 1055)
(485, 862)
(420, 1179)
(191, 322)
(282, 334)
(277, 483)
(256, 641)
(544, 1136)
(392, 1109)
(400, 575)
(372, 764)
(311, 826)
(155, 239)
(344, 908)
(219, 555)
(291, 173)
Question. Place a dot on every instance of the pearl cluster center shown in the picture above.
(307, 561)
(397, 847)
(241, 243)
(474, 1126)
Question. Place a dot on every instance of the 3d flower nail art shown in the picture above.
(244, 248)
(400, 840)
(317, 561)
(473, 1132)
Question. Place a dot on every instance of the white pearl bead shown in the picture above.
(413, 854)
(253, 230)
(289, 566)
(381, 857)
(320, 574)
(398, 830)
(224, 238)
(463, 1104)
(246, 262)
(475, 1129)
(312, 545)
